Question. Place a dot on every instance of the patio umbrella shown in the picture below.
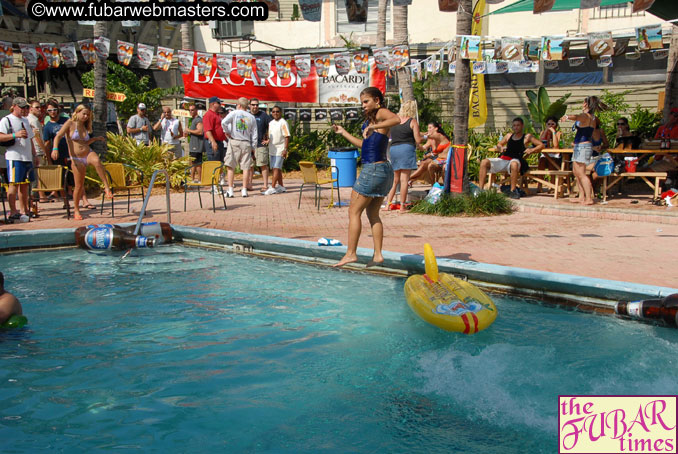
(665, 9)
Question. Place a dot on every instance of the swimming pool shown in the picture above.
(185, 349)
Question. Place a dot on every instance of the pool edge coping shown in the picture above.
(522, 280)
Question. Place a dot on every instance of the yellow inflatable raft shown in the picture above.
(447, 302)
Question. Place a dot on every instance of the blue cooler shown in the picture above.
(345, 160)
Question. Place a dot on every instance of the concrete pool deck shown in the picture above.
(606, 242)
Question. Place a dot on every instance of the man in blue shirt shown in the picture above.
(49, 132)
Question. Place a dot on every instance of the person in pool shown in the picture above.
(77, 132)
(9, 305)
(376, 176)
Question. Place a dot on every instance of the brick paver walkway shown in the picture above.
(635, 247)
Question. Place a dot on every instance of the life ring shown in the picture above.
(447, 302)
(15, 321)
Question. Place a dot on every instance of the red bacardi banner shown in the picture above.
(333, 89)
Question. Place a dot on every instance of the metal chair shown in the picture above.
(117, 179)
(309, 171)
(209, 176)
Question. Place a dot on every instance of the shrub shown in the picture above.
(486, 203)
(147, 158)
(313, 145)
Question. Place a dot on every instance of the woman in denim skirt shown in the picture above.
(376, 175)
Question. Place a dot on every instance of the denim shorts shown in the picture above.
(403, 156)
(582, 152)
(375, 180)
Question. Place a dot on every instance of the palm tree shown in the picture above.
(100, 111)
(381, 23)
(400, 37)
(671, 88)
(187, 35)
(462, 84)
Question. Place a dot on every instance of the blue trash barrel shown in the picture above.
(345, 160)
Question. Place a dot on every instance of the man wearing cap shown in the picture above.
(20, 156)
(214, 133)
(171, 131)
(241, 127)
(138, 125)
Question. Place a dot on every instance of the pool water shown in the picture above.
(190, 350)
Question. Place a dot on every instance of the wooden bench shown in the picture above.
(646, 176)
(562, 179)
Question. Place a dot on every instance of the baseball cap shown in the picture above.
(141, 106)
(21, 102)
(674, 110)
(214, 99)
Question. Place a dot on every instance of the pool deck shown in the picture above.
(619, 241)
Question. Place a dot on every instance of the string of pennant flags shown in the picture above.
(304, 114)
(489, 55)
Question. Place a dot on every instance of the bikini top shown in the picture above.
(76, 135)
(583, 134)
(374, 147)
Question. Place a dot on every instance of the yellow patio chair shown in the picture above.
(309, 171)
(209, 176)
(117, 179)
(52, 179)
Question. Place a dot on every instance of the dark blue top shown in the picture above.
(583, 134)
(262, 126)
(374, 147)
(50, 131)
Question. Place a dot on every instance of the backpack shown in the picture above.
(10, 142)
(605, 165)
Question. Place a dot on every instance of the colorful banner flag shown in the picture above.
(477, 114)
(6, 54)
(51, 53)
(145, 55)
(401, 56)
(356, 11)
(469, 48)
(89, 53)
(29, 54)
(163, 58)
(304, 114)
(542, 6)
(600, 44)
(649, 37)
(322, 65)
(185, 59)
(342, 63)
(303, 65)
(204, 61)
(102, 45)
(125, 52)
(381, 57)
(320, 114)
(642, 5)
(360, 60)
(290, 114)
(283, 67)
(532, 49)
(310, 10)
(224, 64)
(336, 114)
(263, 65)
(511, 49)
(552, 48)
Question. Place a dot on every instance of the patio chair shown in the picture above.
(117, 179)
(52, 178)
(309, 171)
(209, 176)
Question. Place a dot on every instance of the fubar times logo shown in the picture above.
(617, 424)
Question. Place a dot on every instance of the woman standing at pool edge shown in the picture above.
(77, 131)
(376, 176)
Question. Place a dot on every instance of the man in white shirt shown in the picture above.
(279, 141)
(20, 156)
(240, 127)
(172, 131)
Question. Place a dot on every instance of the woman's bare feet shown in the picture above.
(109, 194)
(377, 260)
(587, 202)
(77, 216)
(346, 260)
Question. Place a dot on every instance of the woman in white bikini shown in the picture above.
(77, 131)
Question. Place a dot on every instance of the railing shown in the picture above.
(137, 229)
